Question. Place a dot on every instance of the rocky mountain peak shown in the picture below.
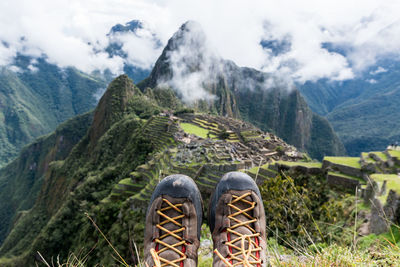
(186, 53)
(131, 26)
(112, 105)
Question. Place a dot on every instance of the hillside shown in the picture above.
(21, 180)
(239, 92)
(362, 111)
(111, 171)
(34, 102)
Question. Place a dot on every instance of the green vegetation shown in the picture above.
(394, 153)
(367, 158)
(292, 205)
(347, 161)
(393, 183)
(381, 155)
(21, 180)
(393, 180)
(196, 130)
(347, 176)
(183, 111)
(223, 135)
(35, 102)
(364, 115)
(300, 163)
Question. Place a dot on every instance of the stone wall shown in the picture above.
(347, 183)
(348, 170)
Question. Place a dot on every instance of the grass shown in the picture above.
(347, 176)
(345, 256)
(190, 128)
(253, 170)
(299, 163)
(366, 157)
(394, 153)
(381, 155)
(206, 124)
(126, 181)
(393, 183)
(347, 161)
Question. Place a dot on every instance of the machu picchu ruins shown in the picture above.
(205, 147)
(195, 145)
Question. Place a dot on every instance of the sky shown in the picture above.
(74, 33)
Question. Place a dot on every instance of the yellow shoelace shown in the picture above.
(158, 260)
(247, 258)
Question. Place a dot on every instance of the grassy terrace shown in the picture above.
(394, 153)
(250, 134)
(393, 182)
(366, 157)
(299, 163)
(207, 124)
(196, 130)
(253, 170)
(347, 176)
(381, 155)
(347, 161)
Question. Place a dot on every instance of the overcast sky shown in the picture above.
(72, 32)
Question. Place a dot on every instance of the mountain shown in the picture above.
(59, 178)
(188, 67)
(21, 180)
(131, 31)
(36, 96)
(363, 111)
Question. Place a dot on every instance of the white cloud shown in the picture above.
(141, 47)
(6, 54)
(70, 31)
(378, 70)
(193, 64)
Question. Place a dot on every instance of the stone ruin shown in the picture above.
(260, 149)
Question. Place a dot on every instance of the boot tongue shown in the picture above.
(170, 254)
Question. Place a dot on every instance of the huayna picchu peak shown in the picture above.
(207, 82)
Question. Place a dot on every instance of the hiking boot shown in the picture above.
(237, 222)
(173, 223)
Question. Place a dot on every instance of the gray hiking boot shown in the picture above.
(173, 223)
(237, 222)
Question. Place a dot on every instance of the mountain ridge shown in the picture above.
(34, 102)
(362, 111)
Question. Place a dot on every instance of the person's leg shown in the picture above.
(173, 223)
(237, 222)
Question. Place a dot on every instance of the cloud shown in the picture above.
(193, 64)
(74, 32)
(378, 70)
(142, 48)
